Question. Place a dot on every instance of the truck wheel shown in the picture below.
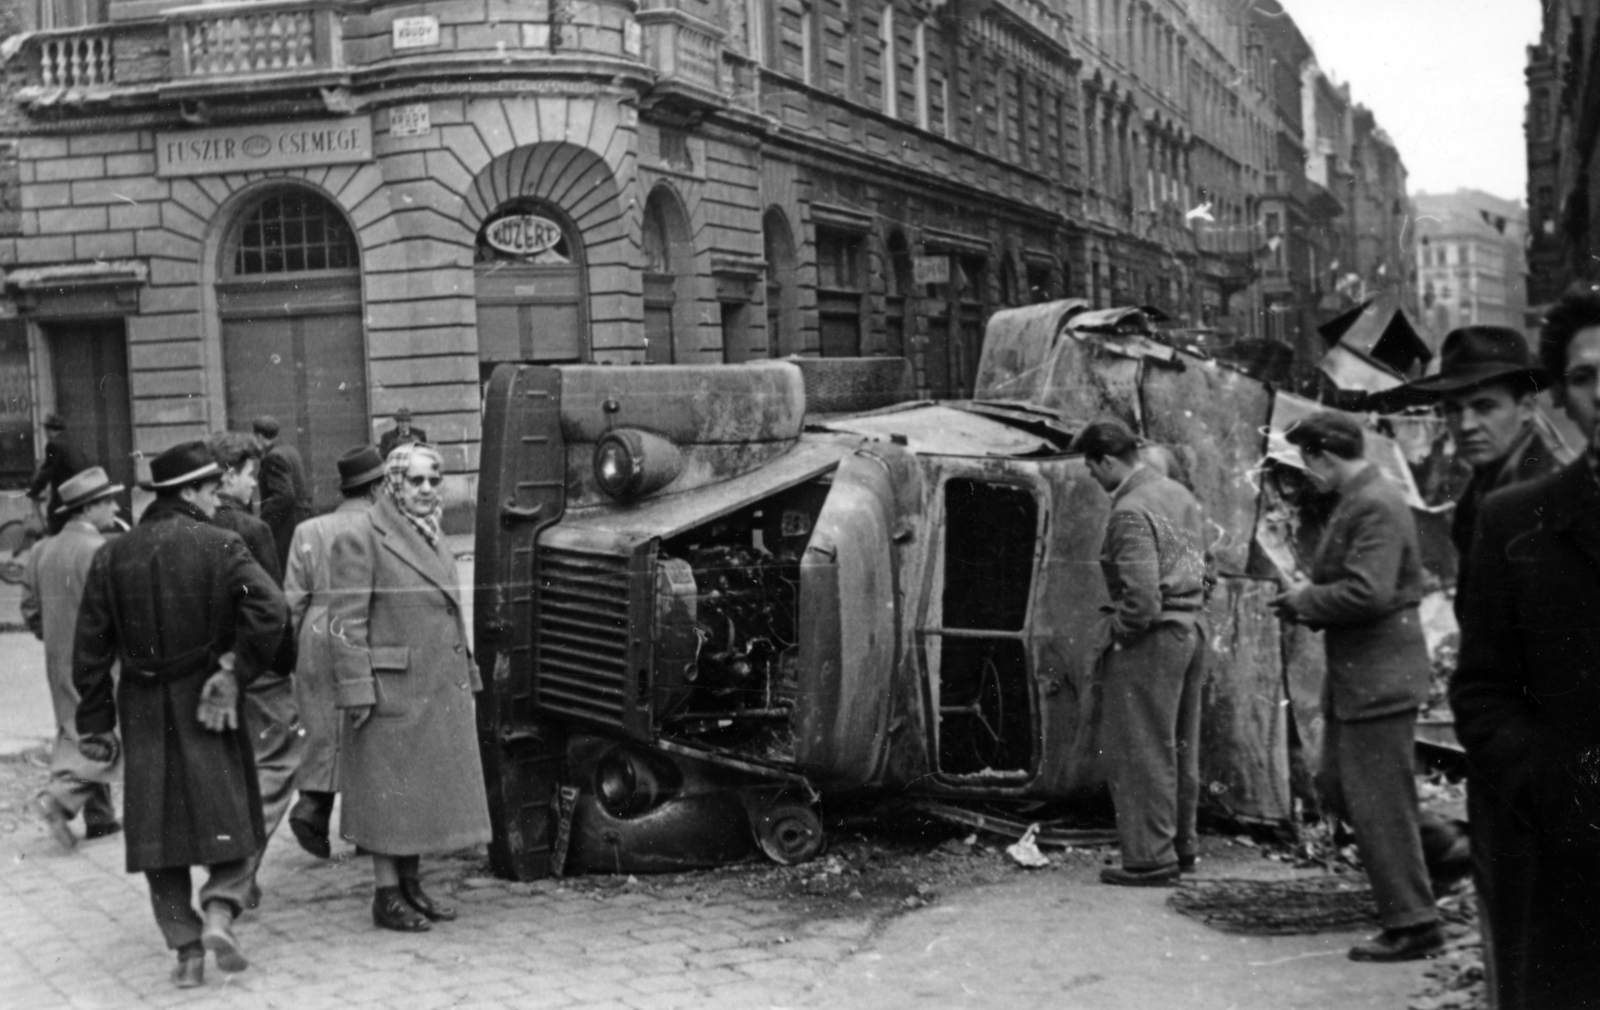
(790, 834)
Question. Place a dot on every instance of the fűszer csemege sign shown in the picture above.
(264, 145)
(523, 234)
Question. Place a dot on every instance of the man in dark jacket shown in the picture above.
(192, 617)
(1489, 383)
(58, 465)
(269, 706)
(1364, 591)
(1153, 559)
(1488, 387)
(285, 490)
(402, 433)
(1525, 693)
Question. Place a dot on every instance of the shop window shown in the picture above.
(293, 232)
(839, 289)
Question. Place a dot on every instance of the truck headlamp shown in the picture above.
(629, 463)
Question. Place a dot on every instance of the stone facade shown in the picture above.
(301, 208)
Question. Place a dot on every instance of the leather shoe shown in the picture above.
(103, 830)
(190, 972)
(55, 821)
(417, 898)
(1410, 944)
(310, 838)
(1187, 864)
(217, 936)
(390, 910)
(1160, 876)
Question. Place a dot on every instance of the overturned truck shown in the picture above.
(710, 597)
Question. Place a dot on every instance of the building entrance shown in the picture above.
(292, 339)
(530, 289)
(89, 373)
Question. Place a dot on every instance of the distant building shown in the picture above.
(1562, 128)
(1470, 264)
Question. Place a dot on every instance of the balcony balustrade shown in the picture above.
(254, 39)
(76, 59)
(686, 54)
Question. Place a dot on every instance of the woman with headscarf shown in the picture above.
(409, 769)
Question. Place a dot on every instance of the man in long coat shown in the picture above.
(269, 708)
(1364, 591)
(1488, 384)
(1154, 564)
(402, 433)
(52, 590)
(306, 586)
(192, 618)
(285, 489)
(1526, 695)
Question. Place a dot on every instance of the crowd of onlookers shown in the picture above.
(234, 660)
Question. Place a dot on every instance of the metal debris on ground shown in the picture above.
(1057, 833)
(1455, 980)
(1331, 902)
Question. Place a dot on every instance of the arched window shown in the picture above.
(292, 232)
(783, 295)
(668, 256)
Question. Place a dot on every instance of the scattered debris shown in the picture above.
(1329, 902)
(1025, 853)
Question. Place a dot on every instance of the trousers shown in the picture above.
(1151, 694)
(1368, 778)
(172, 897)
(278, 743)
(78, 784)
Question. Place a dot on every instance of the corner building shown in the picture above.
(326, 212)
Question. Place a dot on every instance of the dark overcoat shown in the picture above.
(1526, 696)
(167, 599)
(1528, 459)
(392, 438)
(1366, 584)
(285, 495)
(411, 778)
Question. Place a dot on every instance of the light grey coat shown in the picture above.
(306, 585)
(411, 777)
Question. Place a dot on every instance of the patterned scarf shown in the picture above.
(398, 463)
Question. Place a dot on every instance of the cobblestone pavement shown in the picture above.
(78, 933)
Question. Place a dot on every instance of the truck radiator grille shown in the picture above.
(581, 654)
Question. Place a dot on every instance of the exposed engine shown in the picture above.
(727, 622)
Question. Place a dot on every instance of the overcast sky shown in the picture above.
(1444, 77)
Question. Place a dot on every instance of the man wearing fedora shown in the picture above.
(52, 590)
(1487, 386)
(402, 433)
(58, 465)
(307, 586)
(192, 618)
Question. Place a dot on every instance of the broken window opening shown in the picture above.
(986, 718)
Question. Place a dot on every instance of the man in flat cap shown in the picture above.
(192, 618)
(1154, 563)
(402, 432)
(52, 589)
(1488, 385)
(1363, 593)
(59, 464)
